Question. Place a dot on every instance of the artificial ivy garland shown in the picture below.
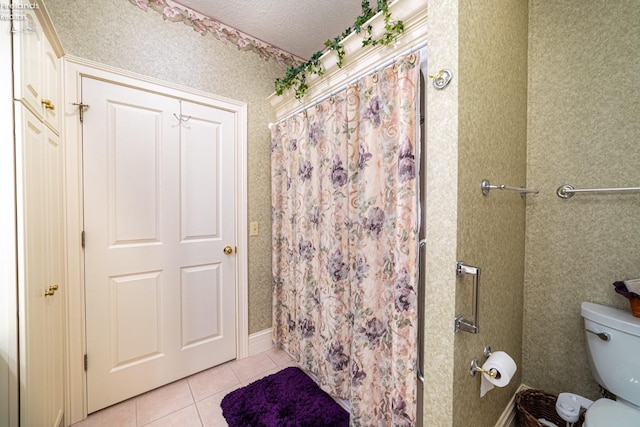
(296, 77)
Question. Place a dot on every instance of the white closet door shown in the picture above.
(159, 209)
(40, 270)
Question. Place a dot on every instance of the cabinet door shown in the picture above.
(28, 40)
(40, 270)
(51, 84)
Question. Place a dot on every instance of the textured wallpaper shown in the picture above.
(440, 214)
(491, 229)
(116, 33)
(584, 130)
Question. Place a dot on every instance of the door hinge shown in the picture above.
(81, 108)
(82, 239)
(85, 362)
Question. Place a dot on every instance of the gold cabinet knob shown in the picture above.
(47, 104)
(51, 291)
(228, 250)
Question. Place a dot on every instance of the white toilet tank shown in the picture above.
(614, 356)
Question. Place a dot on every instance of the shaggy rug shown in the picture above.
(288, 398)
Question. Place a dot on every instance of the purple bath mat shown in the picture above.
(288, 398)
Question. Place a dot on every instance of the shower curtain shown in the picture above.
(344, 194)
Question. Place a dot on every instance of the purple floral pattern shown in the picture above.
(406, 161)
(338, 173)
(344, 224)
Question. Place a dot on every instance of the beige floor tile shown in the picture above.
(261, 375)
(280, 357)
(211, 412)
(194, 401)
(187, 417)
(213, 381)
(121, 415)
(163, 401)
(252, 366)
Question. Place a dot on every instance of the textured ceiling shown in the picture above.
(299, 27)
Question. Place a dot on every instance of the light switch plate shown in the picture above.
(254, 229)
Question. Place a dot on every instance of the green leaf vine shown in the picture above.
(296, 77)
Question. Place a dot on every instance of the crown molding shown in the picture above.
(358, 60)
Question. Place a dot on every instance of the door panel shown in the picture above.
(201, 290)
(135, 315)
(160, 293)
(199, 180)
(134, 145)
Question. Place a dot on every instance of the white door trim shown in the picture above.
(9, 386)
(73, 70)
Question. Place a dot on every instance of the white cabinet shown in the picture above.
(40, 270)
(37, 79)
(40, 234)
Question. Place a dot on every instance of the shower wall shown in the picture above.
(584, 130)
(440, 213)
(491, 229)
(476, 129)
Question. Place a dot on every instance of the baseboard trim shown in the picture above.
(508, 417)
(260, 341)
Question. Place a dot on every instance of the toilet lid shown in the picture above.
(606, 413)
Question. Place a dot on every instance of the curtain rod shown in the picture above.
(414, 48)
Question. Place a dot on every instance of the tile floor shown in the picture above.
(193, 401)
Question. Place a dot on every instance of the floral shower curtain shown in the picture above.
(344, 194)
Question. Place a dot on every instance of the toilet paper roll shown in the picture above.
(504, 365)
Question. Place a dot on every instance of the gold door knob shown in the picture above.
(228, 250)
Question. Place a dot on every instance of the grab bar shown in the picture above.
(566, 191)
(461, 324)
(421, 304)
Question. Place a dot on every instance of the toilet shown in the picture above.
(613, 347)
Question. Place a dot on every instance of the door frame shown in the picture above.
(9, 384)
(74, 69)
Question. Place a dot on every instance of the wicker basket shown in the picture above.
(532, 404)
(635, 306)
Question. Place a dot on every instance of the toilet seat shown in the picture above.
(607, 413)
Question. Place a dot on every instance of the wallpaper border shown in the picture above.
(175, 12)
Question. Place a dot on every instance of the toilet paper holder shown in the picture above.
(462, 324)
(476, 368)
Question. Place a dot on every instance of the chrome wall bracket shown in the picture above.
(461, 324)
(442, 79)
(486, 186)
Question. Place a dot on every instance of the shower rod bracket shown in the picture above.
(486, 186)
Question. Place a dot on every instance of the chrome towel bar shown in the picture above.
(566, 191)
